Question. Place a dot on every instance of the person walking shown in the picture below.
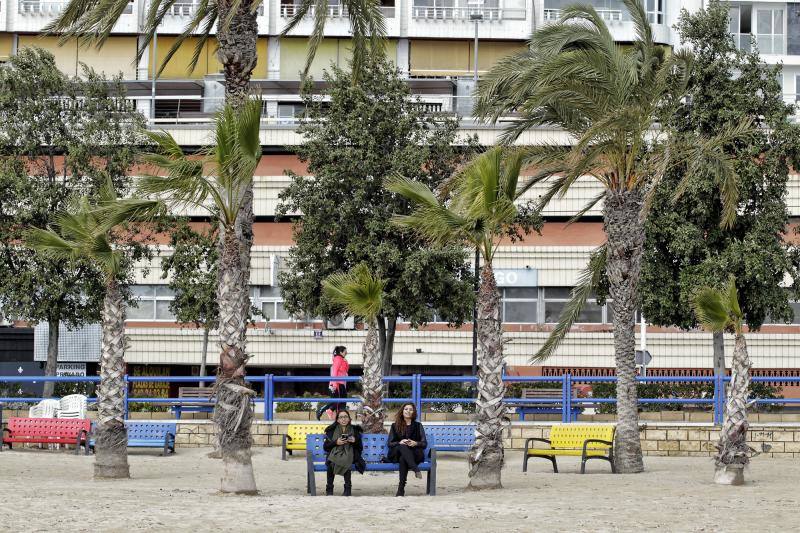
(343, 447)
(407, 443)
(339, 368)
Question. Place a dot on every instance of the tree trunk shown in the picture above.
(486, 456)
(719, 354)
(111, 435)
(237, 48)
(232, 412)
(733, 453)
(625, 232)
(388, 349)
(204, 356)
(372, 410)
(52, 356)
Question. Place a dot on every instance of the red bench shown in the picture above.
(48, 431)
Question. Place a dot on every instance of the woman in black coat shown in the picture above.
(343, 447)
(407, 444)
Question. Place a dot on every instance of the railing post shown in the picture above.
(125, 392)
(268, 397)
(564, 398)
(417, 395)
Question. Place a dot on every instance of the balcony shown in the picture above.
(465, 13)
(338, 24)
(618, 18)
(31, 16)
(456, 19)
(770, 44)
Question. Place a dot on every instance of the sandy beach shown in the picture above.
(51, 490)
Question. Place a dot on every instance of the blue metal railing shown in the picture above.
(565, 404)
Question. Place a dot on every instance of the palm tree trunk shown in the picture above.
(51, 366)
(486, 456)
(111, 435)
(625, 231)
(372, 411)
(237, 48)
(232, 412)
(733, 453)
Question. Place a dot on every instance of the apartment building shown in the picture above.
(433, 45)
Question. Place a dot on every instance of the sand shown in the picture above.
(50, 490)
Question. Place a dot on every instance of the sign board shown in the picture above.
(643, 358)
(318, 334)
(71, 369)
(149, 389)
(517, 277)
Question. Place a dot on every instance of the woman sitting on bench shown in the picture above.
(407, 444)
(343, 446)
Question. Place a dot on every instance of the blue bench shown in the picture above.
(455, 438)
(375, 449)
(150, 435)
(550, 407)
(194, 399)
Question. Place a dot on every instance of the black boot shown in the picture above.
(329, 490)
(346, 490)
(347, 484)
(401, 489)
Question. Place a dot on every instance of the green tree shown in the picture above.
(368, 132)
(218, 182)
(193, 270)
(61, 138)
(480, 211)
(360, 293)
(686, 247)
(608, 97)
(719, 310)
(89, 231)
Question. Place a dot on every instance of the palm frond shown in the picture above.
(359, 291)
(711, 309)
(588, 281)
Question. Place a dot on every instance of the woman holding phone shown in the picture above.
(339, 368)
(343, 446)
(407, 444)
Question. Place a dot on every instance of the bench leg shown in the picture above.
(311, 482)
(283, 449)
(555, 464)
(525, 461)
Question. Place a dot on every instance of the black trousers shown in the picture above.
(347, 477)
(340, 392)
(407, 462)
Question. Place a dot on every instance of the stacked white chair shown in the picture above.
(44, 409)
(72, 406)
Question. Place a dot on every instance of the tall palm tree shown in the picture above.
(718, 311)
(608, 98)
(87, 232)
(218, 182)
(367, 24)
(360, 293)
(479, 212)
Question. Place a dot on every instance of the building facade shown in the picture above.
(433, 45)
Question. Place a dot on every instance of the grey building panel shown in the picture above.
(79, 345)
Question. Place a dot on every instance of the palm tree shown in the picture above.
(366, 22)
(608, 98)
(479, 212)
(360, 293)
(218, 182)
(718, 311)
(87, 232)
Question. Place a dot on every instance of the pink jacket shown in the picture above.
(339, 368)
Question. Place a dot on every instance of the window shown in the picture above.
(741, 26)
(769, 31)
(555, 299)
(152, 303)
(520, 305)
(655, 11)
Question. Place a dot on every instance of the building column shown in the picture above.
(274, 58)
(403, 54)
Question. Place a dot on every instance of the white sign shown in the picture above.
(517, 277)
(71, 369)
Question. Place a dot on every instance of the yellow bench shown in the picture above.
(295, 438)
(588, 441)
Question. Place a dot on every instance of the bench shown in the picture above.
(453, 438)
(194, 399)
(589, 441)
(376, 447)
(295, 438)
(150, 435)
(48, 431)
(531, 407)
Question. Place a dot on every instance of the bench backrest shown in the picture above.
(457, 435)
(150, 430)
(298, 432)
(376, 447)
(48, 427)
(573, 435)
(536, 394)
(204, 393)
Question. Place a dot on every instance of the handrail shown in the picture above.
(566, 382)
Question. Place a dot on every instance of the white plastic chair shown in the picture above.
(44, 409)
(72, 406)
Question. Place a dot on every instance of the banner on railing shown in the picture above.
(149, 389)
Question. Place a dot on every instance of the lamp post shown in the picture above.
(476, 17)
